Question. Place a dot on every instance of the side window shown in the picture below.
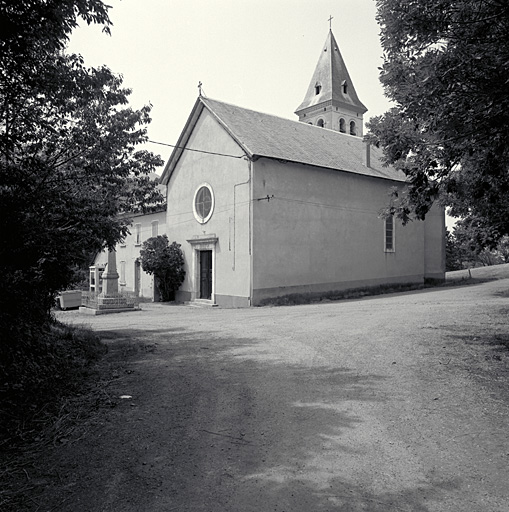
(320, 123)
(389, 234)
(342, 125)
(137, 234)
(122, 273)
(353, 128)
(155, 228)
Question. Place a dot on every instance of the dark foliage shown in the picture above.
(453, 253)
(38, 373)
(447, 69)
(69, 165)
(166, 262)
(464, 250)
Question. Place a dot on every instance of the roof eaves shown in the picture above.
(370, 171)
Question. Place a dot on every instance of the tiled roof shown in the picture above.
(264, 135)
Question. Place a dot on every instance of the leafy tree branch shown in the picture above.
(446, 67)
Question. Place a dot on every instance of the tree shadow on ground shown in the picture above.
(222, 424)
(498, 342)
(251, 432)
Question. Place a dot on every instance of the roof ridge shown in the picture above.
(262, 135)
(298, 123)
(249, 109)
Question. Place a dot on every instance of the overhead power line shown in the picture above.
(195, 150)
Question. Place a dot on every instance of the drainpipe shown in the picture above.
(234, 212)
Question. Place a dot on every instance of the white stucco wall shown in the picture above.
(331, 118)
(128, 254)
(434, 243)
(229, 179)
(321, 232)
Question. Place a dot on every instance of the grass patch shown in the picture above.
(63, 412)
(293, 299)
(354, 293)
(38, 378)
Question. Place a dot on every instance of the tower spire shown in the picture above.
(331, 100)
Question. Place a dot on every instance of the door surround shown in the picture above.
(202, 243)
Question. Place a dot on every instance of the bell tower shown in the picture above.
(331, 101)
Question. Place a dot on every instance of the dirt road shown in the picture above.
(392, 403)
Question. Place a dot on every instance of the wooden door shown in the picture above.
(205, 274)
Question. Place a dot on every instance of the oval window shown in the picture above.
(203, 205)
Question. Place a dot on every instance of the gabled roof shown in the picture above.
(263, 135)
(331, 75)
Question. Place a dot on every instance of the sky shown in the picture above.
(257, 54)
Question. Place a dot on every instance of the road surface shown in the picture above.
(391, 403)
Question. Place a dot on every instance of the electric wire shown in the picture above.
(183, 148)
(230, 207)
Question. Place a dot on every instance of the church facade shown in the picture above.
(265, 207)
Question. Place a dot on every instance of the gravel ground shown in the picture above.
(391, 403)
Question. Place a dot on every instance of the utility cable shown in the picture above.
(195, 150)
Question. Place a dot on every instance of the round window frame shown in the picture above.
(197, 216)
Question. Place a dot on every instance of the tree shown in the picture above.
(165, 262)
(453, 253)
(463, 251)
(503, 249)
(69, 163)
(446, 67)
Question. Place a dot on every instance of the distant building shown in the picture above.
(132, 278)
(264, 206)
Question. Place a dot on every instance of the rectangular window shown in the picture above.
(137, 234)
(122, 273)
(155, 228)
(389, 234)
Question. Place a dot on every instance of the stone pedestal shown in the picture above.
(110, 300)
(110, 276)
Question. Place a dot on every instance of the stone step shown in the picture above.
(200, 303)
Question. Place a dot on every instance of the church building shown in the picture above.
(265, 207)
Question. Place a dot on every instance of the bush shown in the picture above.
(166, 263)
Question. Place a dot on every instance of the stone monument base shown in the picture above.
(106, 303)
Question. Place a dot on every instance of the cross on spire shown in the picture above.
(330, 22)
